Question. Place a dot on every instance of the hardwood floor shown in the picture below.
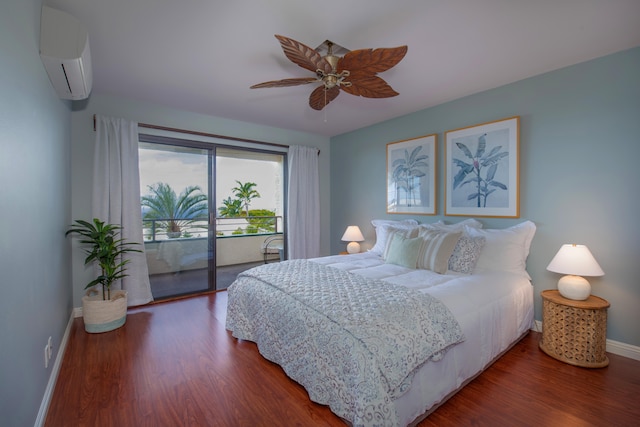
(174, 364)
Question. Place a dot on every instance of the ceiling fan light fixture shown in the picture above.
(330, 57)
(331, 70)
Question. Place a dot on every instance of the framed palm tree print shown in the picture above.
(482, 170)
(411, 176)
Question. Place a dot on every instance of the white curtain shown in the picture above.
(116, 197)
(303, 224)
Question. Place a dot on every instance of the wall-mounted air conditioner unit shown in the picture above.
(64, 50)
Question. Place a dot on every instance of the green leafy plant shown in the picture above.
(231, 208)
(103, 246)
(245, 193)
(486, 185)
(174, 211)
(266, 224)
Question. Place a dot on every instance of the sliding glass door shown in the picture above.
(175, 189)
(207, 210)
(249, 220)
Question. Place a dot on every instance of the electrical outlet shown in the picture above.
(50, 346)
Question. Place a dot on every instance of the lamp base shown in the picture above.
(574, 287)
(353, 247)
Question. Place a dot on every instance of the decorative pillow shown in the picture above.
(382, 226)
(506, 249)
(403, 251)
(465, 254)
(436, 249)
(391, 232)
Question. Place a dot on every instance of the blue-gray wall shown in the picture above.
(579, 172)
(35, 141)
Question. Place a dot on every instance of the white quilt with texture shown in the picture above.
(493, 310)
(353, 342)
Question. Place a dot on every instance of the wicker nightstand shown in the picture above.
(574, 332)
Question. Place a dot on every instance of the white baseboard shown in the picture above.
(53, 377)
(537, 326)
(622, 349)
(77, 312)
(615, 347)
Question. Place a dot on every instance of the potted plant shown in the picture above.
(103, 311)
(173, 230)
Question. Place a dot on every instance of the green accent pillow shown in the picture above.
(403, 251)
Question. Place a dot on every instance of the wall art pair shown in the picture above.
(481, 172)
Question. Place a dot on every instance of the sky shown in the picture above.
(182, 169)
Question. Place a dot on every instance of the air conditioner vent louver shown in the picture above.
(64, 50)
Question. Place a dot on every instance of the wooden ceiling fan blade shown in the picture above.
(320, 97)
(373, 60)
(369, 87)
(286, 82)
(360, 80)
(303, 55)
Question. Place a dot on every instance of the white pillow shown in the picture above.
(378, 222)
(506, 249)
(459, 226)
(382, 225)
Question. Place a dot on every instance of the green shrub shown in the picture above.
(266, 224)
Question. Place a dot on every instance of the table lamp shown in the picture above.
(575, 261)
(353, 235)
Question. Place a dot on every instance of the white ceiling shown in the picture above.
(202, 55)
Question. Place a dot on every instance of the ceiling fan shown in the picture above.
(354, 73)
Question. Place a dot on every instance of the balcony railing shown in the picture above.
(238, 241)
(156, 229)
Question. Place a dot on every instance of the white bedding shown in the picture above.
(494, 309)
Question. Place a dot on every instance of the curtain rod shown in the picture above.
(212, 135)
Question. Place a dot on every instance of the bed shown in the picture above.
(384, 337)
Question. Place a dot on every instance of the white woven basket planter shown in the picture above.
(104, 315)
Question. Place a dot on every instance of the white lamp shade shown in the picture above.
(576, 260)
(353, 235)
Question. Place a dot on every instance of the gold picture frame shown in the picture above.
(482, 170)
(411, 176)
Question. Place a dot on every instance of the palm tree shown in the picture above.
(405, 172)
(174, 211)
(231, 208)
(245, 193)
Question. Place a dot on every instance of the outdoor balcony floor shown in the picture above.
(192, 281)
